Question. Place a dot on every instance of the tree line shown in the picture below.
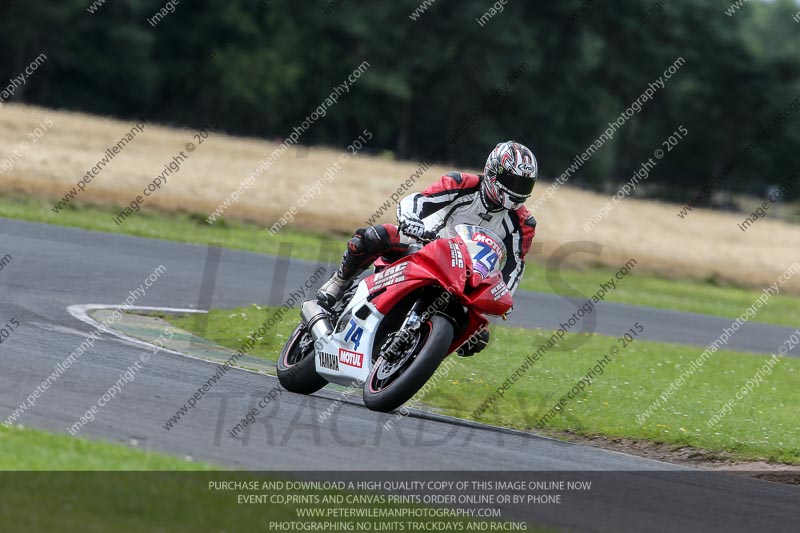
(260, 66)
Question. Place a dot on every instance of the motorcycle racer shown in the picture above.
(493, 200)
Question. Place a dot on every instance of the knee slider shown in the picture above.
(377, 239)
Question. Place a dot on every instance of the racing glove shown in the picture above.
(412, 226)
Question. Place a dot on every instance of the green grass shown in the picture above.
(230, 328)
(53, 482)
(181, 227)
(679, 295)
(676, 295)
(764, 425)
(29, 449)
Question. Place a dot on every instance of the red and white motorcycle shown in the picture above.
(391, 330)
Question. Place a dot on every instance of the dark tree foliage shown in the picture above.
(585, 62)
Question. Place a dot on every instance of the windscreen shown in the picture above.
(486, 249)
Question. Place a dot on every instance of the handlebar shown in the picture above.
(428, 237)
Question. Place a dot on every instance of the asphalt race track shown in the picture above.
(54, 268)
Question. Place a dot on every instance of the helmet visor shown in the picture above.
(520, 186)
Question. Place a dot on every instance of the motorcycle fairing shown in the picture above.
(345, 356)
(445, 263)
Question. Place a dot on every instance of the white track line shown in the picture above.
(81, 312)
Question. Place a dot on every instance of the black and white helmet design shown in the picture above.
(510, 175)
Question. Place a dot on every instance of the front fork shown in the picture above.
(418, 315)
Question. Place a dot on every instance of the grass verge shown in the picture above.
(678, 295)
(763, 425)
(29, 449)
(52, 482)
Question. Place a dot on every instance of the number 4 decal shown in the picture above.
(354, 334)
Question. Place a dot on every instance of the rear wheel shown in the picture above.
(391, 383)
(296, 369)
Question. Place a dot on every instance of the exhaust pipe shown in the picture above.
(316, 319)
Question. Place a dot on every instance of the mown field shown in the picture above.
(704, 246)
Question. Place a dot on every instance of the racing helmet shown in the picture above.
(509, 175)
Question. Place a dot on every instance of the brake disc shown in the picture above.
(390, 365)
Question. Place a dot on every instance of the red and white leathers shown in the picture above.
(457, 199)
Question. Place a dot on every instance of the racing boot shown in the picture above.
(333, 289)
(362, 249)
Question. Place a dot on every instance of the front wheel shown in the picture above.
(392, 383)
(296, 369)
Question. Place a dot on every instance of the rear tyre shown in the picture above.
(390, 385)
(296, 369)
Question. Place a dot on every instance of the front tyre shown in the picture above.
(296, 369)
(391, 384)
